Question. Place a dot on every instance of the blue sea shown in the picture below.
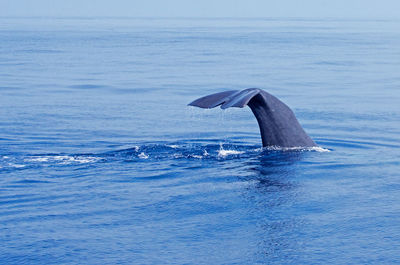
(103, 162)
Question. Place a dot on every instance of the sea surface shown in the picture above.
(103, 162)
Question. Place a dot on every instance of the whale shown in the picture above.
(278, 125)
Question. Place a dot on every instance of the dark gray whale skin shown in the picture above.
(277, 122)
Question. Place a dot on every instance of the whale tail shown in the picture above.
(277, 122)
(232, 98)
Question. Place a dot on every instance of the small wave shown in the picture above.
(39, 51)
(31, 181)
(88, 86)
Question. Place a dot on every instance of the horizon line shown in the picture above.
(210, 17)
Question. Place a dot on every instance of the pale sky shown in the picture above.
(382, 9)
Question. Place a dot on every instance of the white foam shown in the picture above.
(143, 155)
(178, 156)
(38, 159)
(257, 149)
(319, 149)
(223, 153)
(81, 160)
(205, 153)
(136, 148)
(16, 165)
(172, 146)
(197, 156)
(297, 148)
(86, 159)
(5, 157)
(64, 159)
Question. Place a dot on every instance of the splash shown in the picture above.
(143, 155)
(223, 153)
(145, 152)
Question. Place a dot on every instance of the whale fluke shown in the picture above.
(277, 122)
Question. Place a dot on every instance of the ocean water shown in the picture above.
(103, 162)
